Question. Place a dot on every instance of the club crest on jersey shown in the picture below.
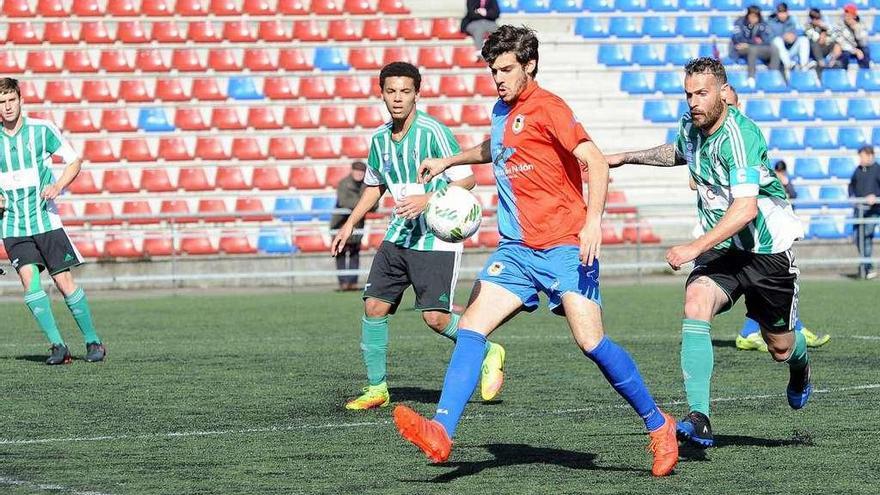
(495, 269)
(519, 123)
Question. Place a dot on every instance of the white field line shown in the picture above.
(4, 481)
(338, 426)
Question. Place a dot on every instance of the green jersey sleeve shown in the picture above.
(744, 153)
(373, 176)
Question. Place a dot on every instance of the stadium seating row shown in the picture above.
(788, 138)
(198, 8)
(575, 6)
(810, 168)
(834, 81)
(698, 26)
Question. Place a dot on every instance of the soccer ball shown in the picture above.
(453, 214)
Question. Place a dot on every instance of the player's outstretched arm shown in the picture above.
(665, 155)
(70, 172)
(432, 167)
(368, 200)
(597, 169)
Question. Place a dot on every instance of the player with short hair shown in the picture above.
(748, 229)
(550, 242)
(31, 228)
(410, 254)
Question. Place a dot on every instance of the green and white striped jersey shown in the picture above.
(24, 172)
(732, 163)
(395, 165)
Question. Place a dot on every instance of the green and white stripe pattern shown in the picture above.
(24, 171)
(732, 163)
(395, 164)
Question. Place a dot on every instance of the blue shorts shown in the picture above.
(525, 272)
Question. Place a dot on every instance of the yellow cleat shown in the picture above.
(754, 342)
(815, 340)
(373, 396)
(492, 374)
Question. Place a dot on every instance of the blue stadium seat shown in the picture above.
(243, 88)
(708, 50)
(771, 81)
(598, 5)
(797, 4)
(659, 111)
(876, 28)
(721, 25)
(507, 6)
(590, 27)
(842, 167)
(851, 137)
(761, 110)
(672, 135)
(291, 210)
(154, 120)
(805, 197)
(837, 80)
(322, 206)
(668, 83)
(330, 58)
(875, 136)
(822, 4)
(818, 138)
(784, 139)
(766, 5)
(809, 168)
(861, 109)
(834, 196)
(613, 55)
(683, 108)
(680, 54)
(691, 27)
(868, 79)
(794, 110)
(828, 110)
(874, 46)
(635, 83)
(824, 227)
(861, 4)
(275, 241)
(534, 6)
(630, 5)
(694, 5)
(663, 5)
(646, 55)
(565, 6)
(728, 5)
(805, 81)
(740, 81)
(624, 27)
(657, 27)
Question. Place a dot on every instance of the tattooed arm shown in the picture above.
(665, 155)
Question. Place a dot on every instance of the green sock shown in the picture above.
(79, 308)
(798, 357)
(40, 306)
(374, 345)
(451, 330)
(696, 363)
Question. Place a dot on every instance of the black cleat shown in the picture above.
(695, 428)
(60, 355)
(95, 352)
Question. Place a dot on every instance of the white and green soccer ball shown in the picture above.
(453, 214)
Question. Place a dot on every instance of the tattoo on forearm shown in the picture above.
(662, 156)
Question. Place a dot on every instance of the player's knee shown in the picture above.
(374, 308)
(779, 352)
(590, 340)
(436, 320)
(698, 307)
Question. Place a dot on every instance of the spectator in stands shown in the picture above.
(821, 41)
(479, 22)
(348, 192)
(865, 183)
(781, 170)
(786, 39)
(751, 39)
(851, 37)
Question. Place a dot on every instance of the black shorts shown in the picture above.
(769, 283)
(432, 275)
(51, 250)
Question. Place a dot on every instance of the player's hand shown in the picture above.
(50, 192)
(430, 168)
(591, 241)
(615, 160)
(341, 239)
(871, 199)
(679, 255)
(412, 206)
(859, 54)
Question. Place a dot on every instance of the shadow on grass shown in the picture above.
(691, 452)
(414, 394)
(32, 358)
(723, 343)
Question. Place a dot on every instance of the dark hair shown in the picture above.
(867, 149)
(9, 85)
(780, 166)
(519, 40)
(358, 165)
(782, 7)
(754, 9)
(706, 65)
(400, 69)
(815, 13)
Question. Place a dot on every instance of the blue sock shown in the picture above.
(623, 374)
(750, 326)
(462, 376)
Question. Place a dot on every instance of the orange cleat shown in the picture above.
(664, 447)
(429, 435)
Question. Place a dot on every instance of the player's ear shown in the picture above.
(530, 67)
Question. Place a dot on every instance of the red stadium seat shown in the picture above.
(490, 207)
(41, 114)
(359, 7)
(68, 215)
(84, 182)
(122, 8)
(258, 7)
(454, 86)
(239, 32)
(363, 59)
(51, 8)
(79, 121)
(156, 180)
(277, 88)
(131, 32)
(87, 8)
(41, 62)
(293, 59)
(118, 182)
(262, 118)
(156, 8)
(135, 150)
(311, 243)
(308, 31)
(122, 247)
(376, 30)
(392, 7)
(207, 90)
(208, 148)
(319, 147)
(100, 213)
(314, 88)
(197, 245)
(616, 203)
(94, 32)
(301, 178)
(292, 7)
(189, 119)
(274, 30)
(186, 60)
(259, 60)
(377, 235)
(484, 85)
(476, 115)
(139, 208)
(447, 28)
(194, 180)
(354, 147)
(368, 117)
(433, 57)
(397, 54)
(17, 8)
(326, 7)
(342, 30)
(223, 60)
(170, 90)
(60, 92)
(483, 174)
(336, 174)
(115, 61)
(116, 120)
(412, 30)
(57, 33)
(160, 245)
(247, 148)
(350, 87)
(78, 61)
(609, 235)
(93, 92)
(250, 208)
(225, 119)
(167, 32)
(150, 60)
(203, 32)
(489, 237)
(134, 91)
(268, 179)
(98, 151)
(173, 149)
(86, 246)
(443, 113)
(466, 57)
(22, 33)
(176, 211)
(225, 8)
(236, 243)
(638, 232)
(214, 210)
(9, 63)
(334, 118)
(191, 8)
(283, 148)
